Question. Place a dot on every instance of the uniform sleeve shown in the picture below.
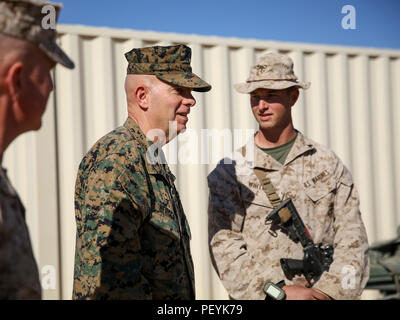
(349, 271)
(19, 277)
(239, 272)
(109, 211)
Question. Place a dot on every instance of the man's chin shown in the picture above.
(32, 126)
(175, 129)
(37, 126)
(181, 128)
(265, 125)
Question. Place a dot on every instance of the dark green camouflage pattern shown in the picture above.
(133, 239)
(170, 63)
(19, 274)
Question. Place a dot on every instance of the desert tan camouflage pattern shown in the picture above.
(23, 19)
(272, 71)
(133, 239)
(246, 251)
(19, 276)
(169, 63)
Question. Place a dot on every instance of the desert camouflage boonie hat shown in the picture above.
(272, 71)
(23, 19)
(169, 63)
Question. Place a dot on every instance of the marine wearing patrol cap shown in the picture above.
(23, 19)
(136, 243)
(25, 86)
(170, 63)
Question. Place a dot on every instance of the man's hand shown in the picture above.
(301, 292)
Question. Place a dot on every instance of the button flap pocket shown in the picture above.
(320, 188)
(165, 223)
(137, 190)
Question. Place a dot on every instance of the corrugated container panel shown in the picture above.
(353, 106)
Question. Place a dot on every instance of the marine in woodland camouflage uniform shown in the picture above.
(132, 233)
(19, 276)
(27, 47)
(245, 250)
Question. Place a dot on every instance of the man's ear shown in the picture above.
(294, 95)
(143, 96)
(14, 81)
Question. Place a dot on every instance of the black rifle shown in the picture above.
(317, 257)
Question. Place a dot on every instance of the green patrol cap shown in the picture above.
(170, 63)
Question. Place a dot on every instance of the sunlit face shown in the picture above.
(36, 85)
(170, 103)
(272, 108)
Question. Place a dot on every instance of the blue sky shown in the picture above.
(377, 22)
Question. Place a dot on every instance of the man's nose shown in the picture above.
(262, 104)
(190, 100)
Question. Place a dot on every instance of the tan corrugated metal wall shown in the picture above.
(353, 106)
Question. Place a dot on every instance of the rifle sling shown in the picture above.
(269, 190)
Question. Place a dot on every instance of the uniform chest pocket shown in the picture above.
(162, 193)
(164, 217)
(164, 222)
(321, 189)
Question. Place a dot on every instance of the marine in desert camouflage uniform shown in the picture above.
(132, 233)
(245, 250)
(27, 54)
